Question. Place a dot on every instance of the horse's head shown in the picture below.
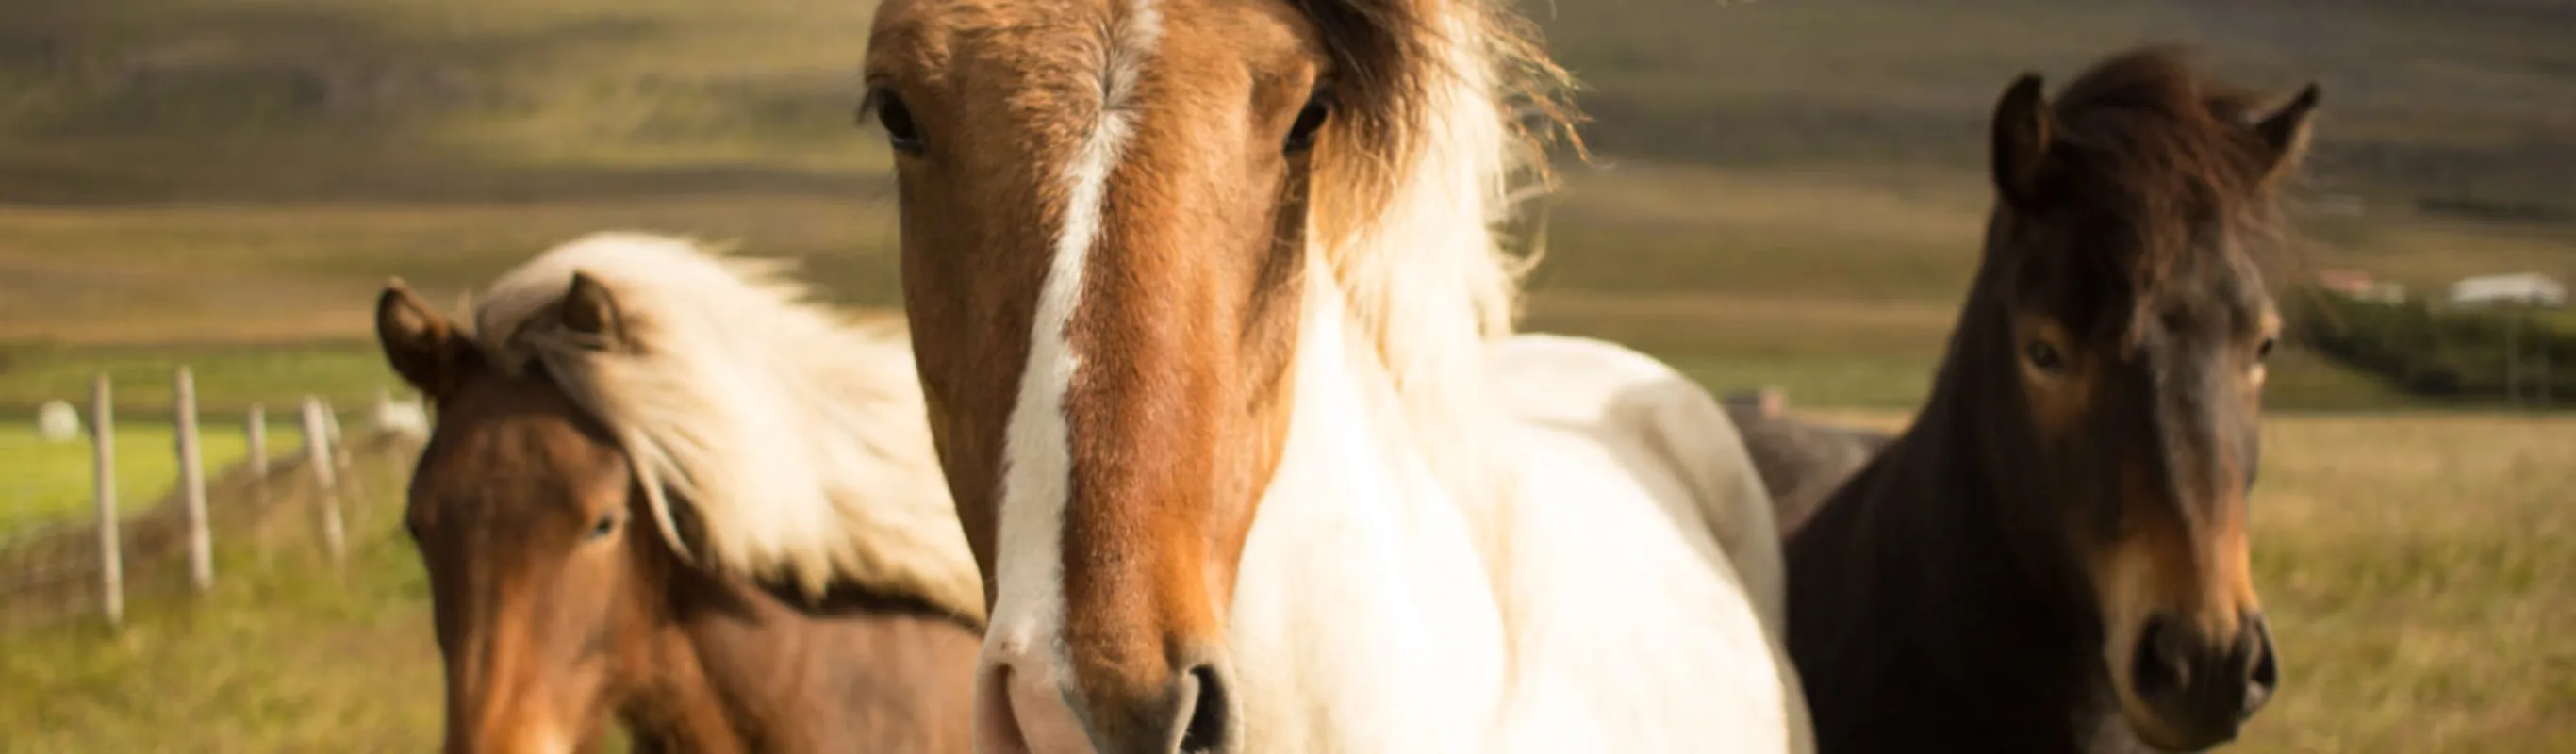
(1112, 215)
(521, 508)
(2135, 320)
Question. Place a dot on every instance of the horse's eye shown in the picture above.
(2263, 353)
(2044, 356)
(896, 118)
(600, 529)
(1301, 135)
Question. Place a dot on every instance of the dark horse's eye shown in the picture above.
(2044, 356)
(1301, 135)
(2263, 353)
(600, 529)
(897, 120)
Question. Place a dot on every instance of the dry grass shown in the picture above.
(269, 273)
(2416, 569)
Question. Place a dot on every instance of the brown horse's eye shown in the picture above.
(1301, 134)
(2263, 353)
(896, 118)
(2044, 356)
(600, 529)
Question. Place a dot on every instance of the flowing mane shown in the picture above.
(793, 438)
(1439, 94)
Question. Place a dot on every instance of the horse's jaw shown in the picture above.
(1363, 618)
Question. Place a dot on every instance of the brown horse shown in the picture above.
(2058, 543)
(638, 465)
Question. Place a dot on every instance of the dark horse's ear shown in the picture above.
(2022, 129)
(2286, 131)
(590, 310)
(424, 348)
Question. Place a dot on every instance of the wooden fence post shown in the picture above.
(192, 484)
(343, 463)
(111, 562)
(256, 428)
(318, 456)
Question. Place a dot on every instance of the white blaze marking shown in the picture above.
(1028, 613)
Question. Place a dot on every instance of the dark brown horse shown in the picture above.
(561, 602)
(2053, 558)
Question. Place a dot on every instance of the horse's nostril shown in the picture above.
(2264, 673)
(2158, 666)
(1204, 730)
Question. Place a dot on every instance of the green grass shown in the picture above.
(287, 654)
(49, 482)
(229, 379)
(296, 273)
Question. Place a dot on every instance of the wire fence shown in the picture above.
(86, 524)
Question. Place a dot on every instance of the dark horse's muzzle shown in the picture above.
(2200, 688)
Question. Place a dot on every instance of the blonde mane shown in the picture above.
(1408, 216)
(795, 437)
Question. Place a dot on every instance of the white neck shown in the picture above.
(1378, 608)
(1356, 517)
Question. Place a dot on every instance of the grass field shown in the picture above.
(45, 483)
(1742, 277)
(2412, 565)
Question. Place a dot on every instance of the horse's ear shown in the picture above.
(2022, 129)
(590, 310)
(2286, 131)
(424, 348)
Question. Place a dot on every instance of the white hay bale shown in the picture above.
(58, 421)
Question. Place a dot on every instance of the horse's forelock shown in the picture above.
(724, 358)
(2161, 139)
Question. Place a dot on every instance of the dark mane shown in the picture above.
(2150, 136)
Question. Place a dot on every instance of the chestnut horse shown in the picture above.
(2053, 558)
(1215, 331)
(662, 489)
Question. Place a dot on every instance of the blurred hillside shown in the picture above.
(134, 100)
(2461, 103)
(1788, 193)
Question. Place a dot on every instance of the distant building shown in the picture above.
(2360, 286)
(2516, 289)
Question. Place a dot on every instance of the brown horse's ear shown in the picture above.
(423, 347)
(590, 310)
(2286, 131)
(2022, 129)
